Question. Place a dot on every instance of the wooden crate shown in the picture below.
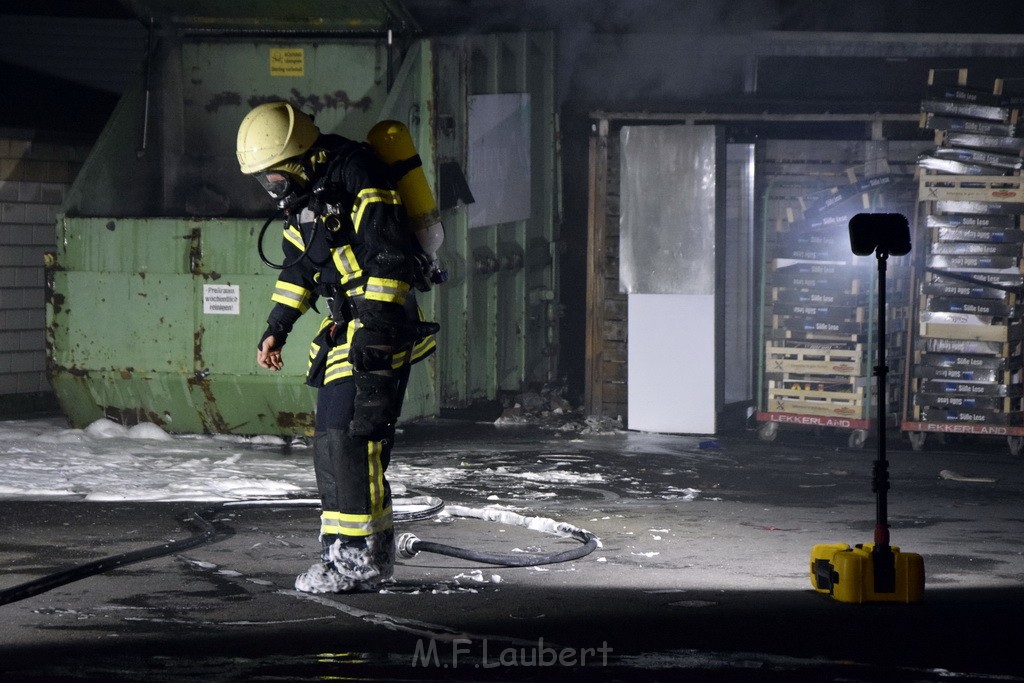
(849, 404)
(830, 408)
(811, 361)
(971, 188)
(979, 332)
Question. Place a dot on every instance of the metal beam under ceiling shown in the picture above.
(351, 16)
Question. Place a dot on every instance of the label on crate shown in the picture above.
(1009, 280)
(960, 402)
(959, 360)
(1002, 263)
(963, 289)
(992, 208)
(801, 252)
(938, 386)
(958, 374)
(937, 122)
(957, 92)
(988, 348)
(955, 167)
(974, 249)
(817, 269)
(840, 284)
(969, 221)
(837, 313)
(977, 416)
(998, 143)
(947, 318)
(821, 276)
(996, 236)
(813, 420)
(976, 156)
(966, 109)
(985, 307)
(816, 297)
(818, 326)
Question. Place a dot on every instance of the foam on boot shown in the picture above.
(322, 577)
(365, 559)
(351, 564)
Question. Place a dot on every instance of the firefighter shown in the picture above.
(346, 242)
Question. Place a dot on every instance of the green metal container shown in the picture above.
(157, 296)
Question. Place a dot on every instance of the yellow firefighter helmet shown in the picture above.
(271, 133)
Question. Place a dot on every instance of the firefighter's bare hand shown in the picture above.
(269, 357)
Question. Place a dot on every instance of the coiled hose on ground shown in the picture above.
(421, 507)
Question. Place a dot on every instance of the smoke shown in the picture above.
(617, 51)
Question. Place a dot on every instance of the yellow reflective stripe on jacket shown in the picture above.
(384, 289)
(337, 363)
(338, 366)
(371, 195)
(292, 234)
(344, 524)
(291, 295)
(345, 261)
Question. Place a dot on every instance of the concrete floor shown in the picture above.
(702, 573)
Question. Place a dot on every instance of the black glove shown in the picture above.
(279, 324)
(280, 337)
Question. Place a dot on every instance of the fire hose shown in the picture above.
(423, 507)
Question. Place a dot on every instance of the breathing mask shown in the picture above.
(286, 183)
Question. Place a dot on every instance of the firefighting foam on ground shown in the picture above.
(702, 568)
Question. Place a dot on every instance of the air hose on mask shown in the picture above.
(423, 507)
(284, 264)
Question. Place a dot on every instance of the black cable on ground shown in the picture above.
(428, 507)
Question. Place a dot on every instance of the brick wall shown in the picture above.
(35, 174)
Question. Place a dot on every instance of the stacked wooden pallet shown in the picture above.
(966, 350)
(820, 311)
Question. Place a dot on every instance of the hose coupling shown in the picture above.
(406, 545)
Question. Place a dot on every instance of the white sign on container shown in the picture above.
(221, 299)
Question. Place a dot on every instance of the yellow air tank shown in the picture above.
(393, 143)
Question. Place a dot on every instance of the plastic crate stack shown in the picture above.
(965, 353)
(820, 315)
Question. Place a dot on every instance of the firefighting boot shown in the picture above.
(351, 564)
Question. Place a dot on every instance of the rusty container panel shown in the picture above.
(171, 338)
(155, 315)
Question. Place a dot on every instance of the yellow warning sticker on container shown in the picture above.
(288, 61)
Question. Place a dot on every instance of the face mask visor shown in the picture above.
(277, 184)
(286, 189)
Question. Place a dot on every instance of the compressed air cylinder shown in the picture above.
(393, 143)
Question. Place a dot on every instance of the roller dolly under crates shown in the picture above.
(918, 432)
(770, 421)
